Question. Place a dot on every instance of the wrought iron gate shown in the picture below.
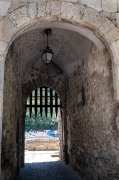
(43, 97)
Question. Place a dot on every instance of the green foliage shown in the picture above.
(39, 123)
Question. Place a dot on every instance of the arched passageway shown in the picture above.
(43, 122)
(84, 73)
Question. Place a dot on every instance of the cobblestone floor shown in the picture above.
(49, 169)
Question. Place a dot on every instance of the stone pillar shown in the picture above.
(65, 146)
(60, 132)
(117, 121)
(116, 80)
(1, 101)
(0, 141)
(23, 136)
(115, 67)
(18, 144)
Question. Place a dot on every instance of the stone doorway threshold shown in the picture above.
(41, 156)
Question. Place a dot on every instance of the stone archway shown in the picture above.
(59, 86)
(45, 108)
(25, 18)
(52, 76)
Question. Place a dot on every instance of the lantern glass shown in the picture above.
(47, 55)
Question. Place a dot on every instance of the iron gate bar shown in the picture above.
(35, 102)
(61, 107)
(44, 101)
(30, 104)
(51, 98)
(56, 103)
(41, 101)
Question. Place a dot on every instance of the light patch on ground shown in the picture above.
(41, 156)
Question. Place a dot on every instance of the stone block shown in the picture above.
(117, 74)
(3, 46)
(108, 29)
(32, 10)
(67, 10)
(2, 59)
(7, 29)
(1, 17)
(117, 5)
(95, 4)
(19, 16)
(117, 19)
(109, 6)
(70, 1)
(93, 17)
(1, 75)
(115, 49)
(55, 7)
(111, 16)
(78, 12)
(114, 22)
(43, 8)
(4, 6)
(1, 104)
(20, 1)
(16, 5)
(33, 1)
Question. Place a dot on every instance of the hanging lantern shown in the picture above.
(47, 53)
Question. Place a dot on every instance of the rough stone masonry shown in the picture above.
(84, 72)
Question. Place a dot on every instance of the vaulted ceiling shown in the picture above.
(70, 49)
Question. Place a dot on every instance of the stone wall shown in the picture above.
(91, 119)
(16, 90)
(12, 114)
(109, 8)
(42, 144)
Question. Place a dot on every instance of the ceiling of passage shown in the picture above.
(70, 49)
